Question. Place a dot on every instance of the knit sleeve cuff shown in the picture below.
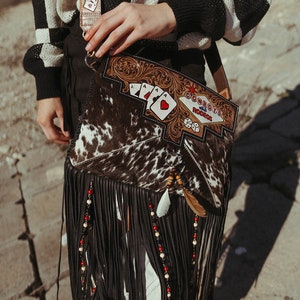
(182, 14)
(207, 17)
(48, 83)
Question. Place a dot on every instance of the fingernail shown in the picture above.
(85, 35)
(99, 54)
(88, 47)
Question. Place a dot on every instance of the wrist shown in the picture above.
(169, 16)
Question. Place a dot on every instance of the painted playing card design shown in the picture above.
(155, 94)
(135, 89)
(163, 106)
(145, 91)
(182, 107)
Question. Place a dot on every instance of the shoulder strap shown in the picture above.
(213, 59)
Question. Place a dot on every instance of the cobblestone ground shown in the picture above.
(259, 258)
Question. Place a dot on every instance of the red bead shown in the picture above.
(196, 218)
(90, 192)
(93, 290)
(86, 218)
(194, 255)
(168, 289)
(81, 242)
(160, 248)
(166, 269)
(150, 205)
(155, 227)
(195, 235)
(82, 263)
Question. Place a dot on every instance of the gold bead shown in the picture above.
(180, 182)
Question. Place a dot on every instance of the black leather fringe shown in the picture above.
(123, 232)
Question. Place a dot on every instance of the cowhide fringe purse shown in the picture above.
(148, 135)
(136, 104)
(148, 132)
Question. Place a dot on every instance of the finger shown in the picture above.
(60, 117)
(123, 44)
(97, 24)
(100, 31)
(54, 134)
(116, 38)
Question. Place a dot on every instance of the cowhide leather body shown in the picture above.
(115, 141)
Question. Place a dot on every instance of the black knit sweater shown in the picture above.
(198, 22)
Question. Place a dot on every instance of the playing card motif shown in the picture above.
(160, 104)
(180, 105)
(135, 89)
(163, 106)
(155, 94)
(145, 91)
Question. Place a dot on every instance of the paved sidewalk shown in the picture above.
(260, 255)
(259, 258)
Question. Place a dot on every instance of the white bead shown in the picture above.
(162, 255)
(167, 276)
(83, 269)
(195, 224)
(152, 213)
(194, 242)
(81, 249)
(89, 201)
(157, 234)
(85, 224)
(169, 295)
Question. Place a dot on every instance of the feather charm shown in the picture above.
(193, 203)
(191, 200)
(164, 204)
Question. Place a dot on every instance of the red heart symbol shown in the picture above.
(164, 105)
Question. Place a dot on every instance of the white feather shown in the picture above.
(163, 205)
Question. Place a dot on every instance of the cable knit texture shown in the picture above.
(198, 23)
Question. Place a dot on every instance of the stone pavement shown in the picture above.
(259, 258)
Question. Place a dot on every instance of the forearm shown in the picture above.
(44, 58)
(215, 19)
(206, 17)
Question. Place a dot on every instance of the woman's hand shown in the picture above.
(121, 27)
(48, 110)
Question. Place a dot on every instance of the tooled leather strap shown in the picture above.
(216, 68)
(90, 11)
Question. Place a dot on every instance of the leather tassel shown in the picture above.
(193, 203)
(164, 204)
